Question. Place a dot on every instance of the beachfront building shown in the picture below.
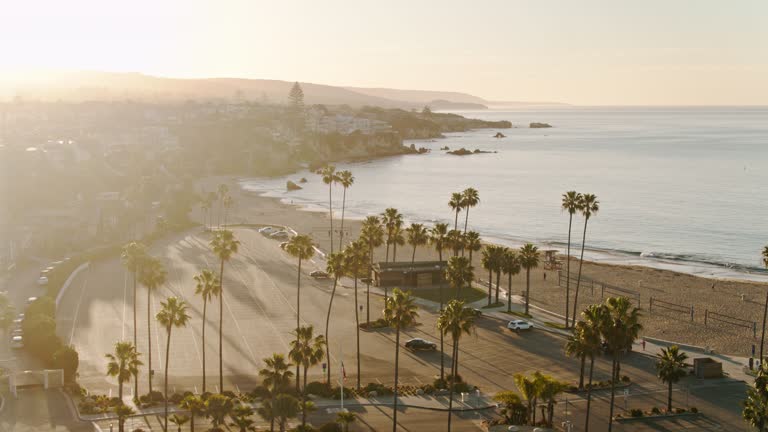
(420, 274)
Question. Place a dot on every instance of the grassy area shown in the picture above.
(555, 325)
(433, 294)
(519, 314)
(494, 305)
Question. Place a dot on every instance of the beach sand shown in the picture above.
(739, 299)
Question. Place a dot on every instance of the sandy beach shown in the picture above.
(743, 300)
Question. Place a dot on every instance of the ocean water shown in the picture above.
(679, 188)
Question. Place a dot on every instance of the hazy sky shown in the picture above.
(576, 51)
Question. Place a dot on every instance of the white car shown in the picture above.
(17, 342)
(519, 325)
(268, 230)
(42, 280)
(280, 235)
(31, 300)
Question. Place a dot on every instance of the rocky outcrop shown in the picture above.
(536, 125)
(303, 180)
(291, 186)
(464, 152)
(499, 135)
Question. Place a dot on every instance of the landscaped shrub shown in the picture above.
(679, 410)
(458, 379)
(330, 427)
(67, 359)
(462, 387)
(625, 379)
(428, 389)
(440, 383)
(319, 389)
(230, 394)
(694, 410)
(636, 412)
(378, 324)
(176, 398)
(655, 410)
(261, 392)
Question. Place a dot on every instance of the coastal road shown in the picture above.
(259, 315)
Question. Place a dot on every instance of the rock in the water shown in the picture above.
(536, 125)
(499, 135)
(291, 186)
(460, 152)
(303, 180)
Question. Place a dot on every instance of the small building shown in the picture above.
(420, 274)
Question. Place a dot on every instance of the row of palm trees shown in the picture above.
(208, 203)
(539, 387)
(331, 177)
(587, 205)
(464, 200)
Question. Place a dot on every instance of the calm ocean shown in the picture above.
(680, 188)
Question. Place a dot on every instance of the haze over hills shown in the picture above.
(93, 85)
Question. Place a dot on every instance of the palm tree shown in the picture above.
(577, 345)
(345, 418)
(345, 179)
(527, 388)
(301, 247)
(455, 239)
(459, 273)
(227, 202)
(398, 239)
(335, 267)
(355, 258)
(276, 378)
(455, 203)
(241, 418)
(221, 192)
(755, 412)
(179, 421)
(307, 350)
(470, 198)
(123, 364)
(328, 173)
(589, 206)
(571, 202)
(510, 265)
(132, 256)
(400, 311)
(151, 275)
(472, 243)
(217, 408)
(456, 320)
(196, 407)
(284, 407)
(417, 236)
(529, 258)
(224, 245)
(670, 367)
(391, 218)
(594, 317)
(173, 313)
(620, 329)
(438, 239)
(205, 208)
(208, 286)
(372, 233)
(549, 389)
(765, 308)
(123, 412)
(488, 261)
(212, 198)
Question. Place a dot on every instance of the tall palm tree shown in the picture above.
(455, 239)
(765, 307)
(355, 258)
(196, 407)
(241, 418)
(459, 273)
(276, 377)
(620, 329)
(132, 256)
(510, 265)
(570, 203)
(227, 202)
(527, 388)
(529, 258)
(456, 320)
(549, 389)
(489, 262)
(307, 350)
(212, 198)
(588, 206)
(391, 218)
(123, 412)
(334, 267)
(207, 287)
(372, 233)
(301, 247)
(455, 203)
(400, 311)
(755, 412)
(151, 275)
(173, 313)
(398, 239)
(469, 198)
(284, 407)
(438, 240)
(416, 236)
(345, 418)
(472, 243)
(577, 345)
(205, 208)
(594, 318)
(123, 364)
(217, 408)
(670, 367)
(224, 245)
(329, 176)
(221, 192)
(345, 179)
(498, 267)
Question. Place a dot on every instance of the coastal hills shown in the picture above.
(111, 86)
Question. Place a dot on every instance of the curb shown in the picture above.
(69, 280)
(655, 417)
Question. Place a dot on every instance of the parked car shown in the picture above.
(318, 274)
(31, 300)
(477, 312)
(268, 230)
(17, 342)
(17, 332)
(420, 344)
(17, 323)
(280, 235)
(517, 325)
(42, 280)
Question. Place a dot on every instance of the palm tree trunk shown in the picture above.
(578, 279)
(568, 274)
(509, 294)
(762, 334)
(149, 342)
(527, 289)
(534, 402)
(298, 316)
(613, 393)
(581, 372)
(343, 208)
(456, 221)
(191, 422)
(397, 366)
(442, 349)
(669, 398)
(135, 338)
(413, 256)
(589, 392)
(394, 253)
(368, 286)
(490, 285)
(167, 352)
(221, 326)
(357, 330)
(304, 399)
(466, 220)
(327, 323)
(453, 378)
(330, 215)
(498, 282)
(386, 258)
(205, 311)
(120, 395)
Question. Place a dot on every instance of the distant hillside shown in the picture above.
(419, 96)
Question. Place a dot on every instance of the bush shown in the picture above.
(694, 410)
(655, 410)
(380, 389)
(319, 389)
(176, 398)
(625, 379)
(462, 387)
(230, 394)
(636, 412)
(378, 324)
(428, 389)
(458, 379)
(330, 427)
(679, 410)
(261, 392)
(66, 358)
(43, 306)
(87, 406)
(440, 383)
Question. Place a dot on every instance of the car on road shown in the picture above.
(517, 325)
(17, 342)
(318, 274)
(420, 344)
(478, 313)
(280, 235)
(17, 323)
(267, 230)
(17, 332)
(31, 300)
(42, 280)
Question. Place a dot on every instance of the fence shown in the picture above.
(681, 309)
(603, 287)
(727, 319)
